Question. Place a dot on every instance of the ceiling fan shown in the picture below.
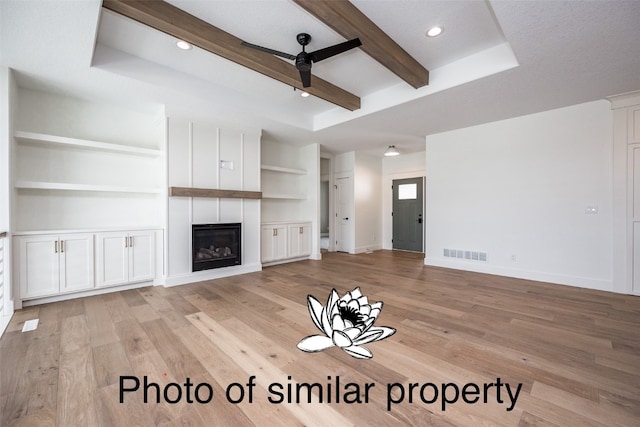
(304, 59)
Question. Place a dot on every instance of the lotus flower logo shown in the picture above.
(345, 322)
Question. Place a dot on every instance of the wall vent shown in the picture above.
(465, 254)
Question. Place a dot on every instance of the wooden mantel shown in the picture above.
(213, 193)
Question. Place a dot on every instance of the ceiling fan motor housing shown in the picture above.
(303, 39)
(303, 61)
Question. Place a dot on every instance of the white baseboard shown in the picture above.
(561, 279)
(216, 273)
(88, 293)
(369, 248)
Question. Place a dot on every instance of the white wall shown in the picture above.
(367, 197)
(194, 154)
(398, 167)
(520, 187)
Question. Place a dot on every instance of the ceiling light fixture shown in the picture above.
(391, 151)
(183, 45)
(304, 94)
(434, 31)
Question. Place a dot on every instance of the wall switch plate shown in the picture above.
(591, 210)
(226, 164)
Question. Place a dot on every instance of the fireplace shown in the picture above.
(215, 246)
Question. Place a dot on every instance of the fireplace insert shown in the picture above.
(216, 245)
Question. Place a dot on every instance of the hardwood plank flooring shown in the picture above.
(574, 353)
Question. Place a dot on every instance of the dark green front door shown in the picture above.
(408, 214)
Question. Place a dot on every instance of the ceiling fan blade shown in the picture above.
(271, 51)
(330, 51)
(305, 76)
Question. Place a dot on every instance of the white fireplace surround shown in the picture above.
(196, 154)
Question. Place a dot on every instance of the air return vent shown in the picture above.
(465, 255)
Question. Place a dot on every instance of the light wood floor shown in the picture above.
(575, 351)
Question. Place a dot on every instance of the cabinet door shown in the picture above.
(76, 262)
(274, 243)
(294, 241)
(266, 239)
(112, 259)
(299, 240)
(39, 271)
(280, 242)
(304, 239)
(142, 256)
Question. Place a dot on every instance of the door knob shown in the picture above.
(346, 219)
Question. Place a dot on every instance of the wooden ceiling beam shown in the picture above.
(348, 21)
(171, 20)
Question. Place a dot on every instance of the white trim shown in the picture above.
(368, 248)
(91, 292)
(577, 281)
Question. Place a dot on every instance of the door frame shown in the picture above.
(387, 206)
(421, 180)
(332, 205)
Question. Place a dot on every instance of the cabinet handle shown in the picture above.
(61, 246)
(130, 241)
(126, 241)
(275, 232)
(301, 230)
(55, 246)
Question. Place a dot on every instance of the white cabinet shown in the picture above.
(274, 242)
(299, 240)
(53, 264)
(124, 257)
(283, 241)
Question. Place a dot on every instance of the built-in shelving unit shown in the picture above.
(282, 183)
(290, 183)
(40, 138)
(85, 166)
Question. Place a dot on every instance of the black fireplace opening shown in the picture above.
(216, 245)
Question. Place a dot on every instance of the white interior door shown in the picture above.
(344, 213)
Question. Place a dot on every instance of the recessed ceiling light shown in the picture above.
(434, 31)
(304, 94)
(183, 45)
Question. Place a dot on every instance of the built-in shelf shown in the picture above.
(213, 193)
(41, 185)
(283, 170)
(283, 196)
(34, 137)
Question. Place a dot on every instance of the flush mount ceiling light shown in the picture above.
(183, 45)
(434, 31)
(304, 94)
(391, 151)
